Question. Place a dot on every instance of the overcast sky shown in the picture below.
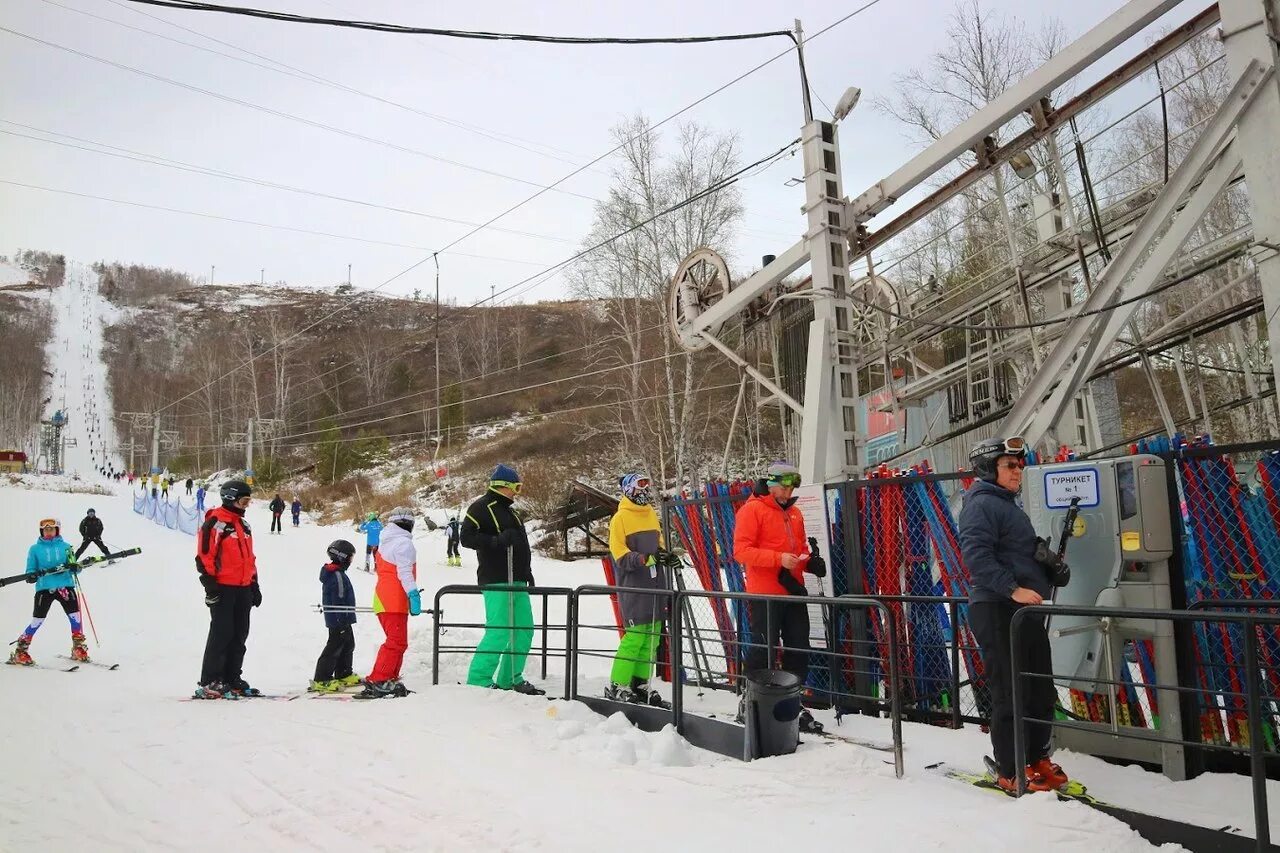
(553, 106)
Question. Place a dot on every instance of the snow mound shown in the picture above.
(68, 483)
(581, 730)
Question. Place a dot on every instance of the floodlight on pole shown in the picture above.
(847, 102)
(1023, 166)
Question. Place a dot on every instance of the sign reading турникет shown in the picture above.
(1060, 487)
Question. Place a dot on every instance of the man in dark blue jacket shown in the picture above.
(333, 668)
(998, 546)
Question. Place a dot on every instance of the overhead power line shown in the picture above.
(841, 20)
(483, 35)
(277, 67)
(156, 160)
(250, 221)
(319, 125)
(723, 183)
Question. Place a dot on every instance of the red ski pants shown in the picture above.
(391, 653)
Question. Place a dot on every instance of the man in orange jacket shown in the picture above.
(769, 541)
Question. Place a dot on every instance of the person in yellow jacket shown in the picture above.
(641, 564)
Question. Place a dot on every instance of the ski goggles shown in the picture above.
(789, 481)
(49, 524)
(1015, 445)
(503, 484)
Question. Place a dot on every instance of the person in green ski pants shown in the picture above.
(641, 569)
(494, 530)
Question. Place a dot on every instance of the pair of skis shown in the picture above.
(31, 577)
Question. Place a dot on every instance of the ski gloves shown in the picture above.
(211, 594)
(415, 603)
(668, 560)
(790, 584)
(1056, 567)
(509, 537)
(816, 565)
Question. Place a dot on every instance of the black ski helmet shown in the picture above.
(341, 552)
(234, 490)
(984, 455)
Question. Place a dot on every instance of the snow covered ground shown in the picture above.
(79, 386)
(116, 757)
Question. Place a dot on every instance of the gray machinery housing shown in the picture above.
(1119, 557)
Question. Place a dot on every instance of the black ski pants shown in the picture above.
(275, 522)
(94, 541)
(453, 548)
(778, 624)
(228, 630)
(335, 660)
(990, 621)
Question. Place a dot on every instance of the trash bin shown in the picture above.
(771, 713)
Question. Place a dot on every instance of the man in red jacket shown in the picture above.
(770, 542)
(229, 574)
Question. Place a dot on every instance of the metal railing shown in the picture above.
(545, 651)
(1252, 696)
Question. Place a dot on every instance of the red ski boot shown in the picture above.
(19, 656)
(1050, 772)
(79, 648)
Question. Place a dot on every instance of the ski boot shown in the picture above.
(616, 693)
(19, 656)
(528, 689)
(640, 694)
(79, 648)
(332, 686)
(808, 723)
(348, 681)
(392, 687)
(1035, 782)
(1050, 772)
(214, 690)
(240, 688)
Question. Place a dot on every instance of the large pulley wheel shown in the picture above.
(875, 304)
(701, 281)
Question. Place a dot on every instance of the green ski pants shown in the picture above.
(502, 651)
(636, 651)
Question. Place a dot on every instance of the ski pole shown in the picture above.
(85, 601)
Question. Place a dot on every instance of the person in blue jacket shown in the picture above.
(999, 547)
(50, 552)
(333, 668)
(200, 499)
(295, 509)
(371, 527)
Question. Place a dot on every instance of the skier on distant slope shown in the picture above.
(454, 532)
(495, 532)
(91, 533)
(395, 599)
(371, 527)
(998, 546)
(228, 572)
(641, 563)
(49, 552)
(277, 508)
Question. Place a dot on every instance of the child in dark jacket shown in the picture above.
(333, 669)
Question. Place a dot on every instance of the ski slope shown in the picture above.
(79, 386)
(116, 758)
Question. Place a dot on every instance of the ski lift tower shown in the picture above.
(52, 444)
